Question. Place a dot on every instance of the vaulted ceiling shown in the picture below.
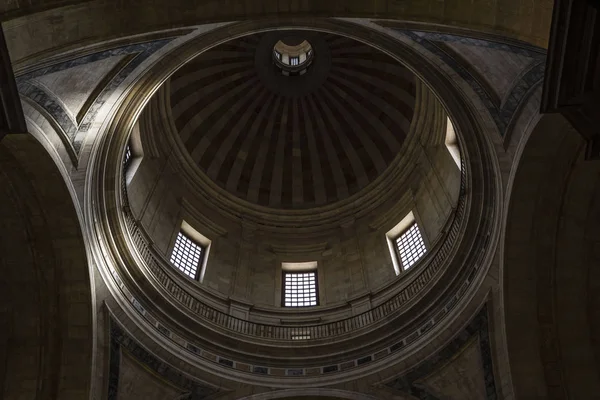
(293, 141)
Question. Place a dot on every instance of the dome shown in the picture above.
(292, 142)
(250, 200)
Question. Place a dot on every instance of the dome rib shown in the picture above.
(244, 159)
(350, 156)
(372, 154)
(224, 116)
(386, 102)
(319, 189)
(225, 152)
(293, 141)
(335, 164)
(277, 174)
(262, 177)
(192, 121)
(188, 97)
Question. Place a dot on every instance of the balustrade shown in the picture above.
(434, 259)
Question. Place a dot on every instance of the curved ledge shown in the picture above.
(302, 53)
(447, 293)
(157, 268)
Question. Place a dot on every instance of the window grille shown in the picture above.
(127, 157)
(300, 289)
(187, 255)
(300, 334)
(294, 60)
(410, 246)
(452, 142)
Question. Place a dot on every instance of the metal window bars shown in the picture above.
(410, 246)
(157, 265)
(187, 255)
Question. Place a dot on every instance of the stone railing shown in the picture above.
(434, 261)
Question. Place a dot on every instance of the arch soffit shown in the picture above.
(546, 242)
(57, 258)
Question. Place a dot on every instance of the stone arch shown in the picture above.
(104, 182)
(551, 277)
(46, 340)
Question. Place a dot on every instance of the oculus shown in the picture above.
(293, 56)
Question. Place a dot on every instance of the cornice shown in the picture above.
(392, 184)
(202, 219)
(452, 287)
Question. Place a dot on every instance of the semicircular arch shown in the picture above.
(45, 291)
(550, 260)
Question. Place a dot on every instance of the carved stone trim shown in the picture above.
(478, 327)
(120, 340)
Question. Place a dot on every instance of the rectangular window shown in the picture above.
(300, 288)
(187, 255)
(452, 142)
(410, 246)
(300, 334)
(128, 156)
(278, 55)
(294, 60)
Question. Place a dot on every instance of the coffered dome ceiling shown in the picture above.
(292, 142)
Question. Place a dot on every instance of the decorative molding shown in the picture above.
(297, 248)
(47, 59)
(454, 31)
(394, 215)
(407, 338)
(348, 223)
(120, 341)
(478, 327)
(530, 78)
(100, 87)
(203, 220)
(63, 138)
(72, 131)
(310, 393)
(53, 109)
